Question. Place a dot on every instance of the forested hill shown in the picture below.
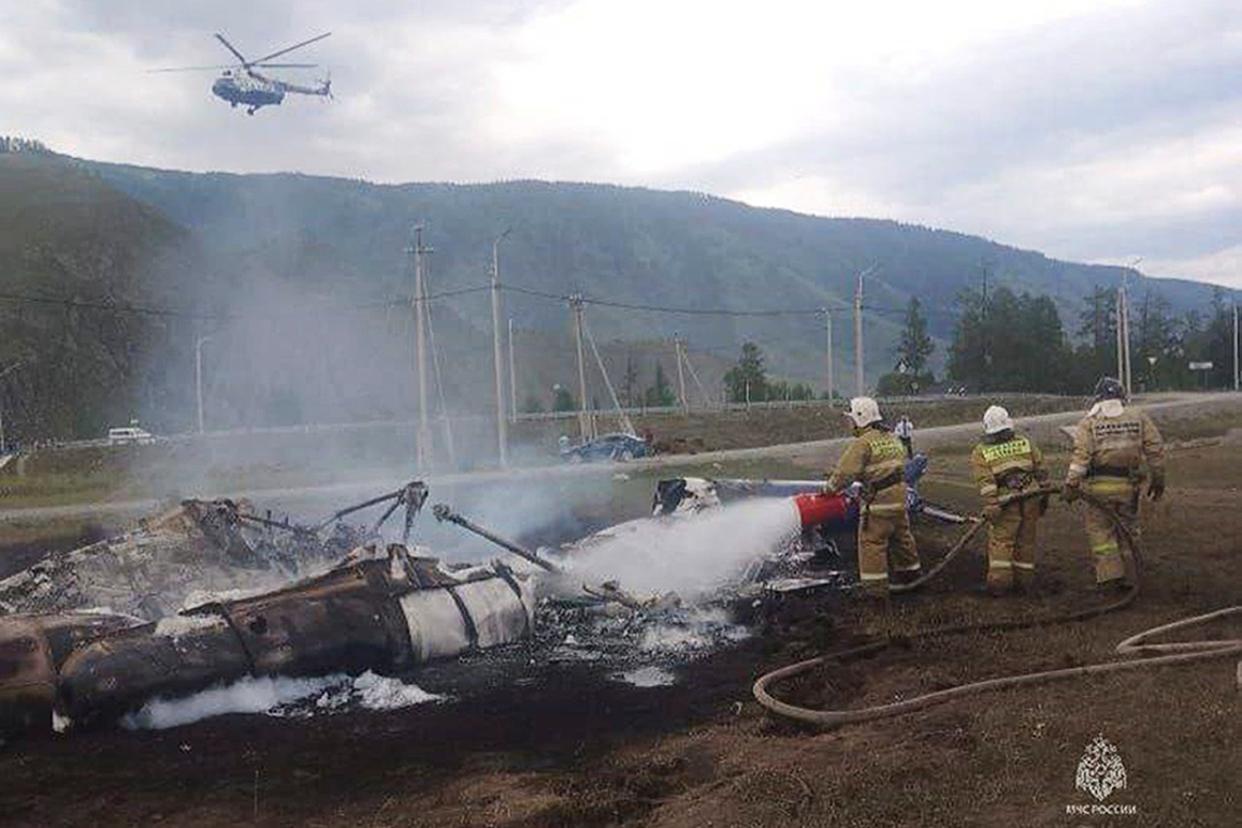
(630, 245)
(269, 267)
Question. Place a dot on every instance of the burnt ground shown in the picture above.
(529, 745)
(23, 545)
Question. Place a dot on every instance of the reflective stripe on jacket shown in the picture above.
(1001, 468)
(1118, 443)
(874, 456)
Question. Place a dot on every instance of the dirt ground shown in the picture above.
(532, 746)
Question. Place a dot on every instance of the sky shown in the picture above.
(1092, 130)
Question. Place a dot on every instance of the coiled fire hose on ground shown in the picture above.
(1149, 654)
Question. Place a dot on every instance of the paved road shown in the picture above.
(813, 454)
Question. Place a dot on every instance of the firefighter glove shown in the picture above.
(1155, 489)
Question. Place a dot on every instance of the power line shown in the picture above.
(145, 310)
(612, 303)
(104, 306)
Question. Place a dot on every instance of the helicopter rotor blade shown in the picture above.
(286, 65)
(236, 53)
(290, 48)
(193, 68)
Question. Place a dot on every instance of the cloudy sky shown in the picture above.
(1099, 130)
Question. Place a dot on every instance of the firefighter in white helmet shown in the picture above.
(1111, 446)
(876, 459)
(1005, 466)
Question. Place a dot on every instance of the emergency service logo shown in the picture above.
(1100, 773)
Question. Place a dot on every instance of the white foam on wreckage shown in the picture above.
(270, 695)
(692, 555)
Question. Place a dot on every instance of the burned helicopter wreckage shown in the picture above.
(384, 607)
(195, 548)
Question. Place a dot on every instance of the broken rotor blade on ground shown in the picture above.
(412, 494)
(443, 513)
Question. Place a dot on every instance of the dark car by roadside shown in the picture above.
(617, 446)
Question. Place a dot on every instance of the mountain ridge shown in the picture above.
(274, 245)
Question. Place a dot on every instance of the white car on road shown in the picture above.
(130, 435)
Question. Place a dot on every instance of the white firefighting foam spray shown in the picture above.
(270, 695)
(690, 555)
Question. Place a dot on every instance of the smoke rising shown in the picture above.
(691, 556)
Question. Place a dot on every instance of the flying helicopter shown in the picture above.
(241, 83)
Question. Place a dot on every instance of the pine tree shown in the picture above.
(629, 380)
(747, 379)
(915, 346)
(661, 393)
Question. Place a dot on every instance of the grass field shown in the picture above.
(565, 749)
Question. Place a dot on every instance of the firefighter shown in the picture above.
(905, 432)
(876, 460)
(1111, 445)
(1006, 465)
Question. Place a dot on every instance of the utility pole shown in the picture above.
(1124, 370)
(512, 377)
(987, 357)
(681, 376)
(585, 423)
(1121, 357)
(423, 442)
(828, 337)
(502, 428)
(1125, 339)
(198, 377)
(1237, 377)
(859, 383)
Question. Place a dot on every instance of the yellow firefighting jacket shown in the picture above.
(1005, 468)
(878, 459)
(1115, 446)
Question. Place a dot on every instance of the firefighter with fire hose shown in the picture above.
(1111, 445)
(875, 459)
(1007, 466)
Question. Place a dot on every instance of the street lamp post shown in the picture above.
(198, 377)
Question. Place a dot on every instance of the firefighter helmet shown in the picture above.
(996, 420)
(1109, 389)
(863, 411)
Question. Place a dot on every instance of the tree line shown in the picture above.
(1017, 342)
(1003, 341)
(12, 143)
(1008, 341)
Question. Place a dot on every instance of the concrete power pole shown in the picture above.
(1121, 348)
(512, 377)
(828, 339)
(1124, 369)
(585, 421)
(502, 428)
(1237, 376)
(859, 384)
(1129, 366)
(198, 377)
(423, 439)
(681, 376)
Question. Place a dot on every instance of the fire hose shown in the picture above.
(1149, 654)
